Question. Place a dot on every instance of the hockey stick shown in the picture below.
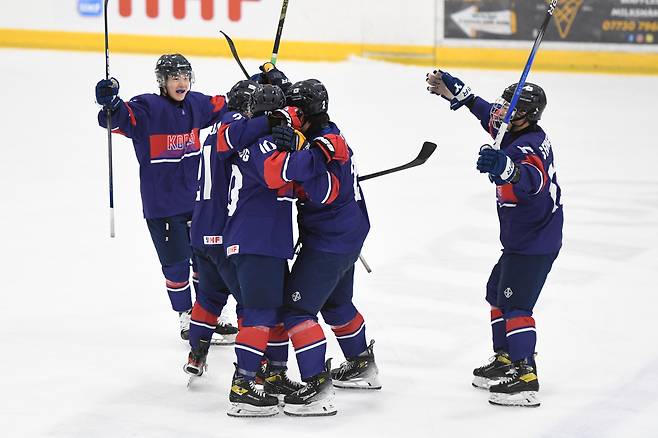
(109, 127)
(234, 51)
(279, 31)
(519, 87)
(425, 152)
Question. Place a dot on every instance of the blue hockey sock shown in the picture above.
(521, 337)
(179, 295)
(277, 347)
(202, 325)
(310, 348)
(352, 336)
(498, 333)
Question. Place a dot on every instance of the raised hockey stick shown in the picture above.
(234, 51)
(519, 87)
(279, 32)
(425, 152)
(109, 126)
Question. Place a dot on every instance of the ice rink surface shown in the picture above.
(90, 346)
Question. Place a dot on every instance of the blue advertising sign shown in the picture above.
(90, 8)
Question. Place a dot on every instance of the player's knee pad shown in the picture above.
(338, 315)
(178, 272)
(260, 317)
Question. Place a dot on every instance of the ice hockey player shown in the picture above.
(333, 224)
(258, 238)
(164, 129)
(531, 218)
(216, 276)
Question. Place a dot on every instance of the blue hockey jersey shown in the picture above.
(530, 211)
(210, 208)
(261, 195)
(165, 136)
(332, 214)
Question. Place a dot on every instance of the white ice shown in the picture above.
(90, 346)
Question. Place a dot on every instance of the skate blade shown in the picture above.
(222, 339)
(526, 399)
(371, 383)
(249, 411)
(320, 408)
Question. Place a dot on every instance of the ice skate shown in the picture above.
(184, 320)
(360, 372)
(498, 370)
(196, 361)
(314, 399)
(276, 382)
(520, 390)
(248, 401)
(224, 334)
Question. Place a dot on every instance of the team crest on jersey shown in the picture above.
(296, 296)
(508, 292)
(233, 249)
(244, 155)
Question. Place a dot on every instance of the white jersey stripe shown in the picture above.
(363, 324)
(517, 331)
(317, 344)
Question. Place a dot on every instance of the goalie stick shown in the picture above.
(109, 126)
(425, 152)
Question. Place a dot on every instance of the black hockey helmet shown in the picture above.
(532, 101)
(241, 96)
(309, 95)
(170, 65)
(268, 98)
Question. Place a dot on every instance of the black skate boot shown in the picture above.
(196, 360)
(314, 399)
(248, 401)
(276, 381)
(520, 390)
(498, 370)
(360, 372)
(184, 321)
(224, 334)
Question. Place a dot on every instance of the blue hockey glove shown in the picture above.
(273, 76)
(450, 88)
(107, 94)
(288, 139)
(498, 165)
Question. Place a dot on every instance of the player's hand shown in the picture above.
(273, 76)
(450, 88)
(498, 165)
(289, 116)
(107, 93)
(288, 139)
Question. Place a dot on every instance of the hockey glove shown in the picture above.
(498, 165)
(289, 116)
(288, 139)
(273, 76)
(450, 88)
(334, 147)
(107, 94)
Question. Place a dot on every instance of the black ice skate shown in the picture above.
(184, 321)
(520, 390)
(276, 382)
(498, 370)
(360, 372)
(225, 334)
(248, 401)
(314, 399)
(196, 360)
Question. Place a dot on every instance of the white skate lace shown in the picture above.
(258, 392)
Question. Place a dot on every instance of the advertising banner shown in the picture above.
(583, 21)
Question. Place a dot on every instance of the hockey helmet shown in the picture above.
(309, 95)
(268, 98)
(241, 96)
(172, 65)
(531, 103)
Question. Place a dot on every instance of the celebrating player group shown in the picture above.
(223, 206)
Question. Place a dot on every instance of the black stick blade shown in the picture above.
(426, 151)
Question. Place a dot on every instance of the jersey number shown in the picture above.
(234, 187)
